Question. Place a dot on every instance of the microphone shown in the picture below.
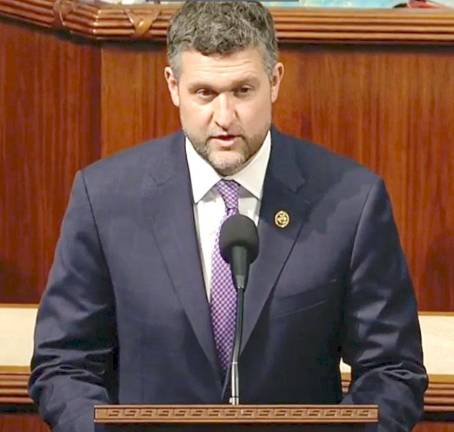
(239, 247)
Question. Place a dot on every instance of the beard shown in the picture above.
(227, 162)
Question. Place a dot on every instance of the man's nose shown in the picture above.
(224, 112)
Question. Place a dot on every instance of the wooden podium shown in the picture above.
(241, 418)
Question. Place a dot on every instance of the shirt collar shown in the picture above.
(250, 177)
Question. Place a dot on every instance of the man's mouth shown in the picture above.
(225, 137)
(225, 141)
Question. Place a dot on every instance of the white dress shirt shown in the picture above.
(209, 207)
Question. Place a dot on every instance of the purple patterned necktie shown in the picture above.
(223, 292)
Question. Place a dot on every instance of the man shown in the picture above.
(134, 311)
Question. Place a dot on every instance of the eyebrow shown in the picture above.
(235, 84)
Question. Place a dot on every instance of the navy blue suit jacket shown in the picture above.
(125, 318)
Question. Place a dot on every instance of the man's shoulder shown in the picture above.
(317, 161)
(129, 164)
(139, 154)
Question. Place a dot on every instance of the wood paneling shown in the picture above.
(32, 423)
(389, 108)
(49, 127)
(392, 110)
(133, 83)
(427, 426)
(22, 423)
(65, 102)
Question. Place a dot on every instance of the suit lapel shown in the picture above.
(283, 190)
(169, 207)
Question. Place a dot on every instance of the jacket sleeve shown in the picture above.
(381, 339)
(75, 336)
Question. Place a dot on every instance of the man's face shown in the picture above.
(225, 104)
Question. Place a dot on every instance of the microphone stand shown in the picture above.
(239, 245)
(240, 284)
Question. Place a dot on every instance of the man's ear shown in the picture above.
(278, 74)
(172, 84)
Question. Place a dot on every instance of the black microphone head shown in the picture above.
(238, 230)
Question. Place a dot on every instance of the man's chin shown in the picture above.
(226, 165)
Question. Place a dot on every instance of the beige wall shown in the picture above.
(17, 324)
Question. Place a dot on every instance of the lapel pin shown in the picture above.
(281, 219)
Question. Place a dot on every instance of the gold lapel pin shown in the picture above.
(281, 219)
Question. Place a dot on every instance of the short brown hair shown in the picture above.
(221, 27)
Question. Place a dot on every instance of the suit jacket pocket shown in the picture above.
(282, 306)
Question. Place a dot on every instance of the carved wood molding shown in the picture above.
(439, 397)
(244, 414)
(100, 21)
(13, 386)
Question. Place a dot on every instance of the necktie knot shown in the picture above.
(230, 193)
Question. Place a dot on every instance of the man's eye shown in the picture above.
(243, 91)
(205, 93)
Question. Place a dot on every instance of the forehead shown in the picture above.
(222, 68)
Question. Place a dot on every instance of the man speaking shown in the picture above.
(139, 306)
